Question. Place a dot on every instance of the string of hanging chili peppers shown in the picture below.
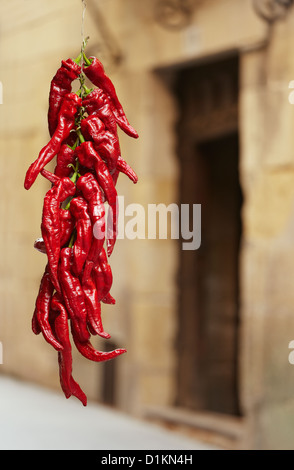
(78, 234)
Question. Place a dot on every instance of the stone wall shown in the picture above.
(267, 254)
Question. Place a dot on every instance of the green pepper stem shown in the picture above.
(67, 206)
(78, 59)
(76, 171)
(87, 61)
(74, 146)
(80, 135)
(87, 90)
(71, 242)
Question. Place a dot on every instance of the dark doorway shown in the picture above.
(208, 277)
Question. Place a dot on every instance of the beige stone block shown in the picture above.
(270, 206)
(253, 69)
(155, 274)
(153, 337)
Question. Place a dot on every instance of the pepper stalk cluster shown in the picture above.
(78, 278)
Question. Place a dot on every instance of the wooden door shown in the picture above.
(208, 277)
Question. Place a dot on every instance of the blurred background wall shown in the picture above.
(206, 85)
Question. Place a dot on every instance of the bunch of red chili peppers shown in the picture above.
(78, 232)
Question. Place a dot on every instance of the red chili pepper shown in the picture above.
(61, 330)
(103, 276)
(66, 226)
(50, 226)
(66, 122)
(61, 85)
(40, 320)
(96, 103)
(65, 158)
(123, 167)
(90, 158)
(52, 177)
(91, 192)
(87, 350)
(105, 143)
(84, 233)
(108, 299)
(73, 295)
(93, 308)
(95, 72)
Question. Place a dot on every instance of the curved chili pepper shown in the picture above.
(66, 226)
(61, 85)
(123, 167)
(73, 295)
(40, 320)
(50, 226)
(52, 177)
(93, 308)
(95, 72)
(90, 158)
(93, 195)
(108, 299)
(96, 103)
(115, 176)
(84, 234)
(91, 127)
(105, 143)
(66, 122)
(61, 329)
(103, 275)
(65, 158)
(87, 350)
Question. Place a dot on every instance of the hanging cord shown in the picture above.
(83, 46)
(84, 6)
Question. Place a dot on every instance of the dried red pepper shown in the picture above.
(40, 320)
(123, 167)
(59, 321)
(66, 122)
(66, 226)
(94, 70)
(105, 143)
(93, 308)
(60, 86)
(84, 233)
(65, 160)
(87, 350)
(90, 158)
(50, 226)
(103, 276)
(73, 295)
(97, 104)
